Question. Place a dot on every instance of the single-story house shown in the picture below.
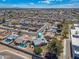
(10, 38)
(39, 42)
(55, 30)
(13, 36)
(23, 39)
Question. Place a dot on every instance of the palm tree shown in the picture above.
(1, 39)
(37, 50)
(55, 48)
(65, 29)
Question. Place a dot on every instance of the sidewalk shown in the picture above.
(67, 52)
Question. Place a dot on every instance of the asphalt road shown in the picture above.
(8, 55)
(26, 52)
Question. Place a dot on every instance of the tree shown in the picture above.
(65, 31)
(63, 34)
(37, 50)
(3, 20)
(63, 21)
(20, 33)
(10, 16)
(16, 43)
(14, 23)
(1, 39)
(59, 26)
(55, 47)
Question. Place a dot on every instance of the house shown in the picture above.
(40, 40)
(10, 38)
(23, 39)
(56, 30)
(74, 36)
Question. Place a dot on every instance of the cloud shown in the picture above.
(49, 1)
(31, 3)
(70, 5)
(46, 5)
(50, 6)
(46, 1)
(3, 0)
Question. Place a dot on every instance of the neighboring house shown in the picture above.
(40, 40)
(56, 30)
(75, 41)
(13, 36)
(23, 39)
(10, 38)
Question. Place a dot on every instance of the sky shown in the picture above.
(39, 3)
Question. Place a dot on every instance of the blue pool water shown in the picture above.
(7, 40)
(22, 46)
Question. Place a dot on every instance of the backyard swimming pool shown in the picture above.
(8, 40)
(22, 46)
